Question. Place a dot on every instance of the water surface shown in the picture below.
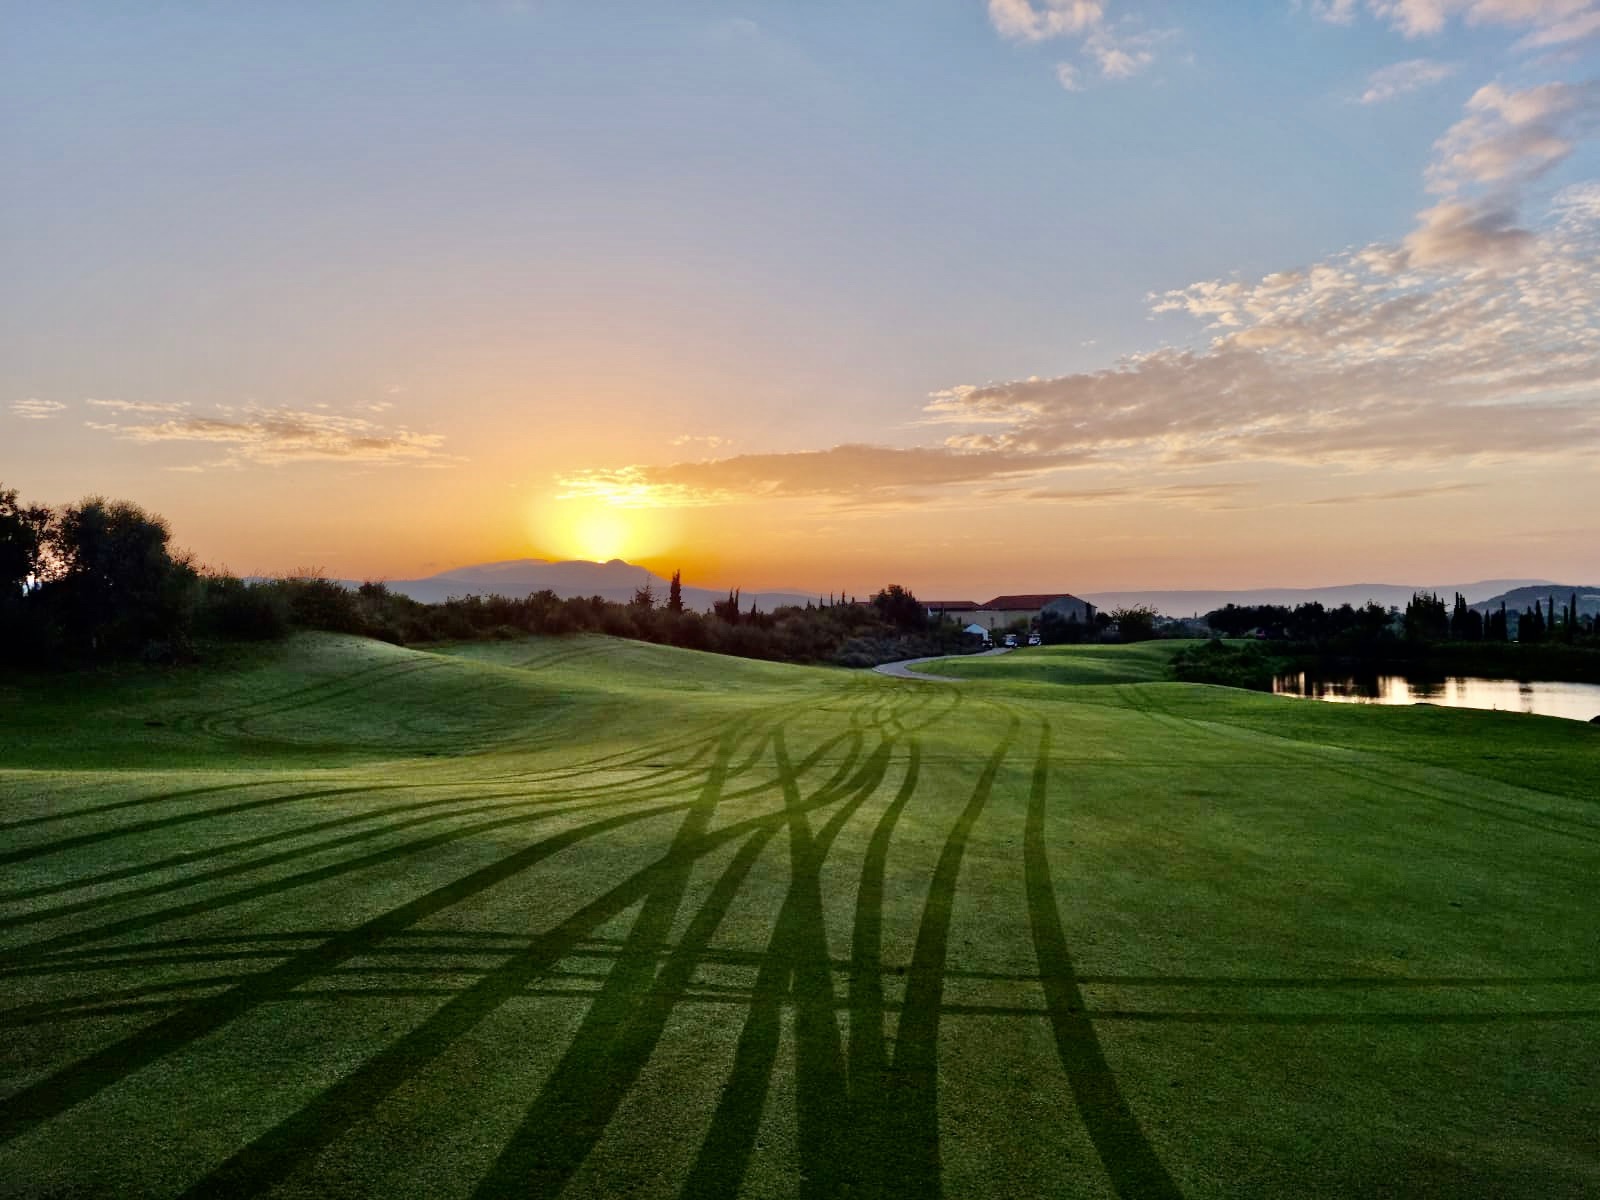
(1577, 701)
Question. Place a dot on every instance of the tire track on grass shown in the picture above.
(1135, 1170)
(821, 1098)
(86, 1078)
(910, 1160)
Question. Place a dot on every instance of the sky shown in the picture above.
(976, 297)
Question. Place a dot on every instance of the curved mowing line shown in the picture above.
(105, 835)
(868, 1051)
(911, 1163)
(273, 1156)
(455, 810)
(352, 1099)
(724, 1156)
(82, 1080)
(1135, 1170)
(100, 809)
(656, 782)
(619, 1035)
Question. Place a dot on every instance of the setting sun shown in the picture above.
(598, 531)
(601, 534)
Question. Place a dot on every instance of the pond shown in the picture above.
(1577, 701)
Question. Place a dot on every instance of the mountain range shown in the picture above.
(618, 580)
(615, 580)
(1389, 595)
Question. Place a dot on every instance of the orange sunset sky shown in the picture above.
(974, 297)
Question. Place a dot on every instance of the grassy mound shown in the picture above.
(593, 917)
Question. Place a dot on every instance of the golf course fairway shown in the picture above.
(593, 918)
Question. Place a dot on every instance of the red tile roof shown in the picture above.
(1017, 603)
(953, 605)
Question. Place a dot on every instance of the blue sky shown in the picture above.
(483, 248)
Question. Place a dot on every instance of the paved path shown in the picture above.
(898, 669)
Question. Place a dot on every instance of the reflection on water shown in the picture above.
(1579, 701)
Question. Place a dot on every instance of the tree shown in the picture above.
(728, 609)
(645, 597)
(120, 586)
(1136, 623)
(675, 593)
(1426, 619)
(24, 537)
(901, 609)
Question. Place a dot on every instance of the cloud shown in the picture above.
(1411, 493)
(137, 406)
(271, 436)
(33, 409)
(1401, 78)
(1550, 22)
(709, 440)
(854, 473)
(1039, 21)
(1351, 360)
(1367, 360)
(1482, 164)
(1116, 50)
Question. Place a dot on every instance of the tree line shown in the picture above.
(1426, 618)
(100, 580)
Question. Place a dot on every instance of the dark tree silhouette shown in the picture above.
(119, 584)
(24, 534)
(901, 609)
(675, 593)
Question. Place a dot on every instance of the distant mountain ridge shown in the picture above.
(615, 580)
(618, 580)
(1521, 599)
(1390, 595)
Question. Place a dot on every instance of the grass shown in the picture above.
(598, 918)
(1143, 662)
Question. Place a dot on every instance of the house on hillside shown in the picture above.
(954, 608)
(1007, 610)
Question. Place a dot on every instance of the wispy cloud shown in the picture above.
(1482, 164)
(137, 406)
(710, 441)
(852, 472)
(33, 409)
(1367, 360)
(272, 436)
(1114, 50)
(1548, 22)
(1040, 20)
(1395, 494)
(1401, 78)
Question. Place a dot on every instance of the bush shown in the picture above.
(1231, 665)
(231, 608)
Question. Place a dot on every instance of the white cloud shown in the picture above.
(1040, 20)
(33, 409)
(1400, 78)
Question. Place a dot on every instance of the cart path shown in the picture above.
(899, 669)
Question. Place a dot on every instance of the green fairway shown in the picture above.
(593, 918)
(1145, 662)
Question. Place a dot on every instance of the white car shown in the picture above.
(1011, 639)
(1034, 640)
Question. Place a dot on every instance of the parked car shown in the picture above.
(1035, 640)
(1011, 639)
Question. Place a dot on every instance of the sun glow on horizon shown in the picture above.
(598, 532)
